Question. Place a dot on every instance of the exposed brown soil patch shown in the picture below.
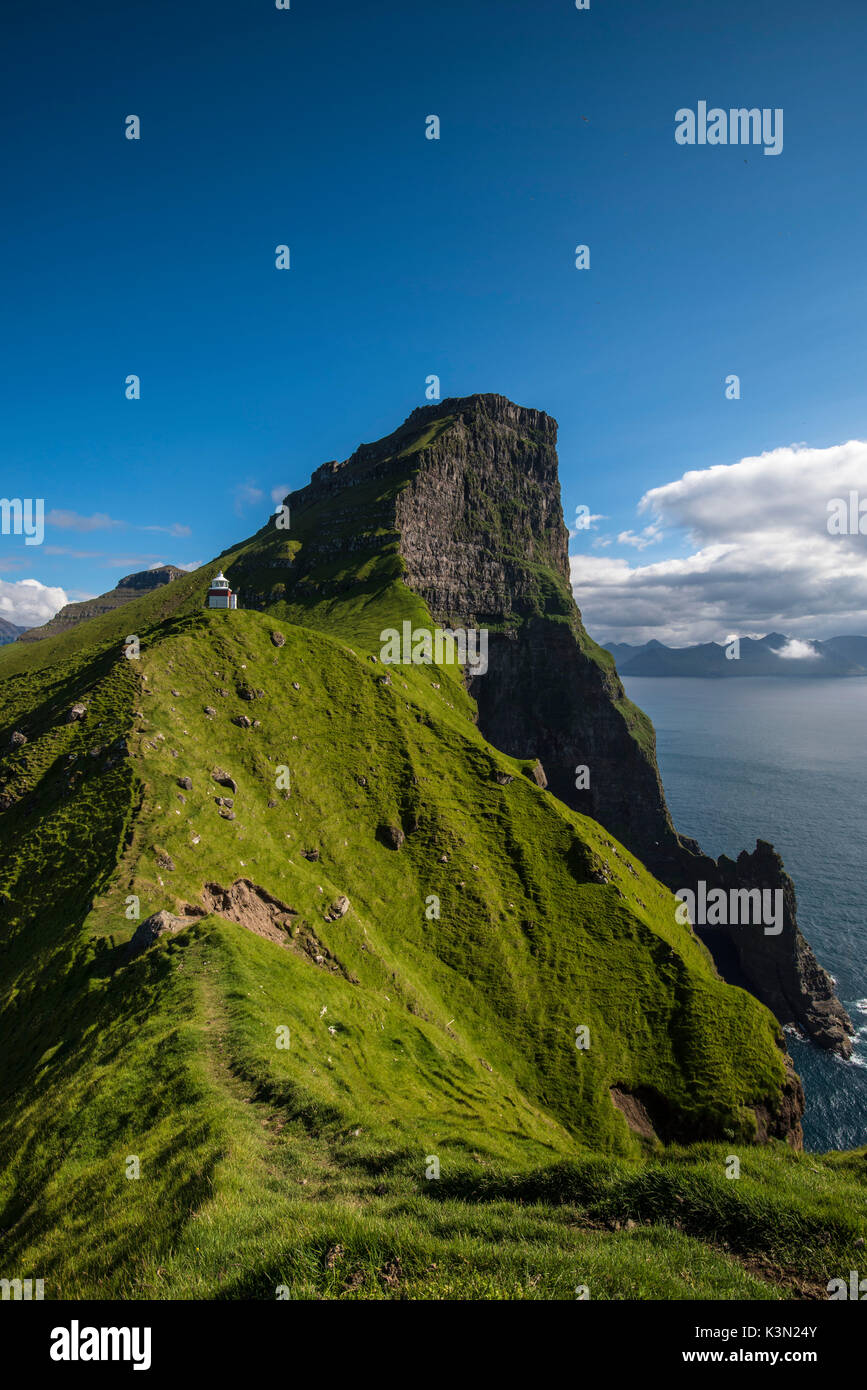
(635, 1113)
(251, 907)
(254, 908)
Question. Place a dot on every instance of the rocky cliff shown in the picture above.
(466, 493)
(484, 542)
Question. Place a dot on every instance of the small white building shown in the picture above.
(220, 595)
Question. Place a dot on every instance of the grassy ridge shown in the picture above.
(415, 1037)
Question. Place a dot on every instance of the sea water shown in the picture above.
(785, 760)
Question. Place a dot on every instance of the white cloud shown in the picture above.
(247, 495)
(651, 535)
(761, 557)
(73, 521)
(796, 650)
(192, 565)
(133, 563)
(176, 529)
(75, 554)
(29, 603)
(279, 492)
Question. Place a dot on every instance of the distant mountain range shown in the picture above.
(772, 655)
(9, 631)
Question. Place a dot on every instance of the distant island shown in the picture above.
(772, 655)
(9, 632)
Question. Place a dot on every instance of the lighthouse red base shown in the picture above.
(220, 595)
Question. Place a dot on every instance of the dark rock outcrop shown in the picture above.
(781, 969)
(337, 909)
(391, 836)
(151, 929)
(223, 779)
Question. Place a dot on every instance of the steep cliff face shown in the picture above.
(461, 507)
(484, 543)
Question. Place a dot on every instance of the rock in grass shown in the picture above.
(18, 739)
(338, 908)
(537, 774)
(77, 712)
(186, 783)
(223, 779)
(149, 931)
(391, 836)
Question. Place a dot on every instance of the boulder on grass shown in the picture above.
(391, 836)
(151, 929)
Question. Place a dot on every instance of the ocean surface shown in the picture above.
(785, 761)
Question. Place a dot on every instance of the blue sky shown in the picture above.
(454, 257)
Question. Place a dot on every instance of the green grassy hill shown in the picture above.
(287, 1074)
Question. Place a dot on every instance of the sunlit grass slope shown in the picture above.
(430, 1028)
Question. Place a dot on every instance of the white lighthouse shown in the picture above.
(220, 595)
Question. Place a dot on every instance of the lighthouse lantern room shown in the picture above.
(220, 595)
